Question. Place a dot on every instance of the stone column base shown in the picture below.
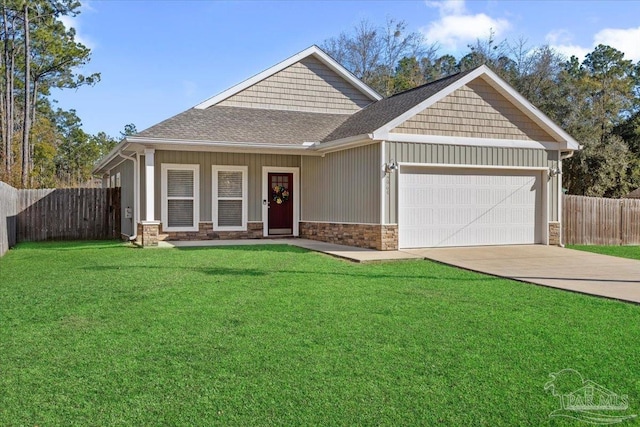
(150, 232)
(554, 233)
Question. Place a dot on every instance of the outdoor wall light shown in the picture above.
(392, 166)
(554, 171)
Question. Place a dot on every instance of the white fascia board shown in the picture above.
(100, 164)
(313, 50)
(222, 146)
(467, 141)
(497, 83)
(341, 144)
(343, 72)
(528, 108)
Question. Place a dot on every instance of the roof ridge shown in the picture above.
(432, 82)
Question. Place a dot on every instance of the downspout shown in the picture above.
(136, 187)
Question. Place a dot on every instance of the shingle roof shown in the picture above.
(379, 113)
(236, 124)
(635, 194)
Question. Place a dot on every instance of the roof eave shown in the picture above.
(195, 145)
(100, 164)
(504, 88)
(343, 143)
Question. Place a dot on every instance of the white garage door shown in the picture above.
(468, 207)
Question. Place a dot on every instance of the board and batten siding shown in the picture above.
(475, 110)
(125, 169)
(408, 152)
(307, 85)
(255, 162)
(343, 186)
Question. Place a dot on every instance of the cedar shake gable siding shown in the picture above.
(476, 110)
(308, 85)
(382, 112)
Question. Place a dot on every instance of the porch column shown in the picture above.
(149, 174)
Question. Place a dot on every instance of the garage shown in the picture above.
(453, 206)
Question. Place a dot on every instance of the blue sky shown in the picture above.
(158, 58)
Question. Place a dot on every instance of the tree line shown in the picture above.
(596, 100)
(43, 146)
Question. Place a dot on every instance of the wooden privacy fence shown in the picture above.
(58, 214)
(8, 212)
(600, 221)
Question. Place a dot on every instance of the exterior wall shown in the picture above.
(125, 169)
(463, 155)
(475, 110)
(308, 85)
(255, 162)
(371, 236)
(342, 187)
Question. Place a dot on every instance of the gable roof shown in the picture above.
(378, 114)
(378, 119)
(249, 125)
(310, 51)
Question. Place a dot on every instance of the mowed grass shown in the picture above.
(98, 333)
(632, 252)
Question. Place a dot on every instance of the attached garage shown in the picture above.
(460, 206)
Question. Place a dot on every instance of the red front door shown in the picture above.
(280, 203)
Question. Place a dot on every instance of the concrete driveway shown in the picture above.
(578, 271)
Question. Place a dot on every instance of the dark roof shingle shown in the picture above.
(379, 113)
(635, 194)
(236, 124)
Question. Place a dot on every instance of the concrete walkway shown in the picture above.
(568, 269)
(341, 251)
(561, 268)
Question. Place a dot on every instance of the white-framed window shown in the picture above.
(229, 210)
(118, 184)
(180, 197)
(113, 181)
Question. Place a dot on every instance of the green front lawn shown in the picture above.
(103, 334)
(632, 252)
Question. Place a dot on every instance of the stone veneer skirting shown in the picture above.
(371, 236)
(149, 235)
(206, 232)
(554, 233)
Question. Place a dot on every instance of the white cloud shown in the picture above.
(74, 22)
(448, 7)
(562, 42)
(457, 27)
(625, 40)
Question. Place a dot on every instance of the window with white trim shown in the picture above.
(229, 210)
(180, 197)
